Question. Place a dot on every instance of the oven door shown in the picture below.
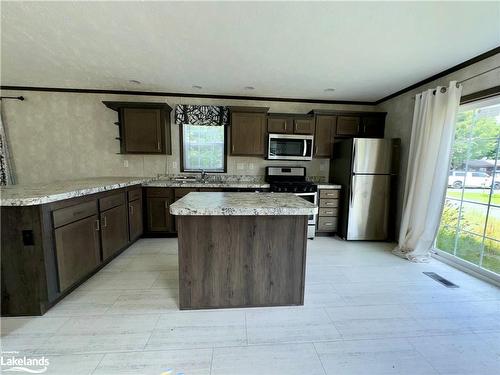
(311, 197)
(290, 147)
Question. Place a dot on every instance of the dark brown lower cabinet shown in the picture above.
(77, 249)
(135, 219)
(158, 214)
(114, 231)
(49, 249)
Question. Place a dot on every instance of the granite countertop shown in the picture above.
(30, 195)
(242, 204)
(208, 184)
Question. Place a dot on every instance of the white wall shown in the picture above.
(60, 136)
(400, 108)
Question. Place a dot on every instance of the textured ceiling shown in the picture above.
(284, 49)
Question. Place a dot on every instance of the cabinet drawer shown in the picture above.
(328, 212)
(160, 192)
(328, 202)
(111, 201)
(329, 193)
(327, 224)
(70, 214)
(134, 194)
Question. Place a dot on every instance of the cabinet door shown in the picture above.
(323, 135)
(142, 130)
(303, 126)
(348, 126)
(279, 125)
(248, 133)
(135, 219)
(114, 230)
(158, 217)
(77, 250)
(373, 127)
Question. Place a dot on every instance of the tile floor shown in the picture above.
(366, 312)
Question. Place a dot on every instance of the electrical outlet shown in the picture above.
(322, 167)
(125, 163)
(251, 166)
(174, 165)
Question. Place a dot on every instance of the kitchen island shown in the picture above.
(241, 249)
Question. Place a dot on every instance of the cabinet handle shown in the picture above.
(315, 150)
(328, 224)
(97, 225)
(105, 221)
(285, 127)
(166, 204)
(159, 145)
(131, 209)
(232, 148)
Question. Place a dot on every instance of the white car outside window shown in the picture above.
(459, 179)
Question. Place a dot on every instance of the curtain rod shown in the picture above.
(12, 97)
(477, 75)
(443, 89)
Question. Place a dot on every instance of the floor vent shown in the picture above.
(442, 280)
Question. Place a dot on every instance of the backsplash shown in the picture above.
(62, 136)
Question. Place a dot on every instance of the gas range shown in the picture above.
(289, 180)
(293, 180)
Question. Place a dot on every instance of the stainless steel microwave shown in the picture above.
(290, 147)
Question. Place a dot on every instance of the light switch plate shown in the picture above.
(125, 163)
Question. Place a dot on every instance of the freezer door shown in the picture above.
(372, 156)
(368, 207)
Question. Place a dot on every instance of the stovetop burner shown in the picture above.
(289, 180)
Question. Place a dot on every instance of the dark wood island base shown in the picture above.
(241, 261)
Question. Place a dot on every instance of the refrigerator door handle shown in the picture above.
(350, 191)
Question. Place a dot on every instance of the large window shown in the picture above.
(203, 148)
(470, 223)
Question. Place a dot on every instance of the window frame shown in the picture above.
(474, 100)
(181, 152)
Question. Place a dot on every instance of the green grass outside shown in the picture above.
(475, 196)
(469, 245)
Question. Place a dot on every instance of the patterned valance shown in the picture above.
(208, 115)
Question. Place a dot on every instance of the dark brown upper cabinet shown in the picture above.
(290, 124)
(348, 126)
(279, 125)
(248, 131)
(373, 126)
(303, 126)
(144, 127)
(324, 135)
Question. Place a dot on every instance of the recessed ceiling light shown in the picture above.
(249, 88)
(135, 81)
(329, 90)
(197, 87)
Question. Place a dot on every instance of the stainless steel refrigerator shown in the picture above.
(366, 168)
